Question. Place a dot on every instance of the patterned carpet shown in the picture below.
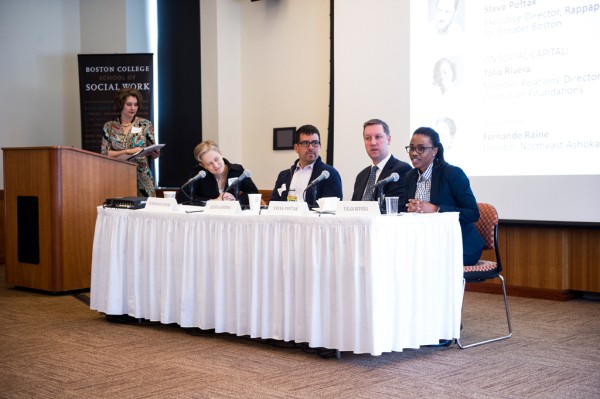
(56, 347)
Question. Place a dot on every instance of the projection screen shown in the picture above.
(511, 86)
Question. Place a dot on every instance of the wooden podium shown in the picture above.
(51, 195)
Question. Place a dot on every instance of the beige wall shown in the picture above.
(285, 78)
(39, 86)
(39, 95)
(264, 65)
(103, 26)
(221, 72)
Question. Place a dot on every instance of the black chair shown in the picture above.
(487, 225)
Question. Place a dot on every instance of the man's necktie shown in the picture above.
(368, 195)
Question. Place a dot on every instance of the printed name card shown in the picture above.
(161, 204)
(288, 208)
(222, 207)
(357, 208)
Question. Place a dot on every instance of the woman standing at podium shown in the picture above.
(127, 135)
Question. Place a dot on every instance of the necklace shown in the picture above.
(126, 124)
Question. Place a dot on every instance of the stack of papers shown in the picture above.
(145, 151)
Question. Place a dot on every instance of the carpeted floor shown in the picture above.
(56, 347)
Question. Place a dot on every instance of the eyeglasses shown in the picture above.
(314, 143)
(418, 149)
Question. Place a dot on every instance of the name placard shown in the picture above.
(288, 208)
(357, 208)
(214, 207)
(156, 204)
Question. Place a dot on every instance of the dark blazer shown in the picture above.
(332, 187)
(451, 192)
(393, 189)
(207, 188)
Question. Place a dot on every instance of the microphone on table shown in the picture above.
(200, 175)
(236, 182)
(379, 188)
(393, 177)
(323, 176)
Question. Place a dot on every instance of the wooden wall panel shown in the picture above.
(2, 228)
(266, 195)
(537, 257)
(584, 260)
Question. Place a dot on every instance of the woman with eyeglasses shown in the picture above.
(216, 184)
(436, 186)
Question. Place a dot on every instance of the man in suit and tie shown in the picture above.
(376, 135)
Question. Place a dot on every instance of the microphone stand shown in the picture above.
(192, 200)
(314, 196)
(381, 197)
(236, 192)
(191, 183)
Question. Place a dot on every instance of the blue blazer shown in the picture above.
(332, 187)
(393, 189)
(451, 192)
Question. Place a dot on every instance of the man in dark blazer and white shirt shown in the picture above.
(308, 166)
(377, 138)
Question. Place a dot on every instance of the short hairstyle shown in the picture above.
(435, 142)
(371, 122)
(121, 97)
(305, 129)
(205, 147)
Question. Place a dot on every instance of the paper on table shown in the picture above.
(146, 151)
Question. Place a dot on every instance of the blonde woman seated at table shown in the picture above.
(436, 186)
(219, 175)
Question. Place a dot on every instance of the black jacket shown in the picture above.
(393, 189)
(207, 188)
(332, 187)
(451, 192)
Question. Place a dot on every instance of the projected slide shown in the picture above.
(513, 87)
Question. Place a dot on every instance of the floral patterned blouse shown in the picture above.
(141, 135)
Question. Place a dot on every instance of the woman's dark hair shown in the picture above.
(121, 97)
(435, 142)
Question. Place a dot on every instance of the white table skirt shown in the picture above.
(360, 284)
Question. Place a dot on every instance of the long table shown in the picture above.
(360, 284)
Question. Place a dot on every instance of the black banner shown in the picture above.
(100, 76)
